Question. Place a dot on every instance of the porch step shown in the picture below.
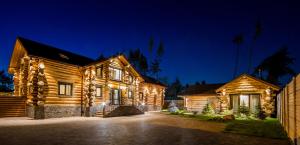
(99, 114)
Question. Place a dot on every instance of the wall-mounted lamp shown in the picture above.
(41, 65)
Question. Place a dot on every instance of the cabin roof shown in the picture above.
(237, 83)
(42, 50)
(200, 89)
(152, 81)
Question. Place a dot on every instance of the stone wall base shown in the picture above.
(58, 111)
(152, 108)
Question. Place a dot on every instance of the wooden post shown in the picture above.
(295, 110)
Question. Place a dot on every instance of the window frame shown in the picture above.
(65, 84)
(130, 97)
(141, 96)
(111, 76)
(101, 71)
(100, 91)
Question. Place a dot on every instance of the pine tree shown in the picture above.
(208, 110)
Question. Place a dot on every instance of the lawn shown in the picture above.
(269, 128)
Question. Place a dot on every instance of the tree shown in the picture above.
(160, 50)
(155, 68)
(238, 40)
(138, 60)
(208, 109)
(151, 44)
(258, 30)
(174, 88)
(143, 64)
(276, 66)
(101, 57)
(6, 82)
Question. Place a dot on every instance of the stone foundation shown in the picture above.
(29, 111)
(58, 111)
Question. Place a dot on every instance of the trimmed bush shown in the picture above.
(208, 110)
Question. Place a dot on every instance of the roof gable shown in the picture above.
(247, 82)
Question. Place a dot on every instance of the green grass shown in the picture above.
(269, 128)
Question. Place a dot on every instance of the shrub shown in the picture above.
(227, 112)
(243, 109)
(208, 110)
(259, 113)
(216, 118)
(172, 107)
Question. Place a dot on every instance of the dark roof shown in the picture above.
(152, 80)
(201, 89)
(42, 50)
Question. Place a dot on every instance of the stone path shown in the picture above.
(148, 129)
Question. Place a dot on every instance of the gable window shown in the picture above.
(98, 91)
(65, 89)
(115, 74)
(99, 71)
(130, 78)
(130, 94)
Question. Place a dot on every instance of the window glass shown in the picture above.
(68, 89)
(130, 94)
(244, 100)
(254, 103)
(115, 74)
(98, 92)
(99, 71)
(65, 89)
(62, 89)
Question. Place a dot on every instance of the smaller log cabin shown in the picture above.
(245, 89)
(58, 83)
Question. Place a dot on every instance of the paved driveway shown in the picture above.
(148, 129)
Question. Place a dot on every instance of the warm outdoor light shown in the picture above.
(224, 92)
(41, 65)
(143, 103)
(268, 91)
(103, 103)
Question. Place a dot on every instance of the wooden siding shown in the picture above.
(198, 102)
(59, 72)
(153, 94)
(289, 109)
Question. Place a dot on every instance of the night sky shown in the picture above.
(197, 35)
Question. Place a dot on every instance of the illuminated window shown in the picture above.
(99, 71)
(130, 79)
(65, 89)
(244, 100)
(98, 91)
(130, 94)
(115, 74)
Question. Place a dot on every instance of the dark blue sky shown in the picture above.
(197, 35)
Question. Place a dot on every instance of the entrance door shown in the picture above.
(115, 96)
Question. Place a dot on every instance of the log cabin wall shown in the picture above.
(196, 103)
(153, 96)
(61, 105)
(246, 84)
